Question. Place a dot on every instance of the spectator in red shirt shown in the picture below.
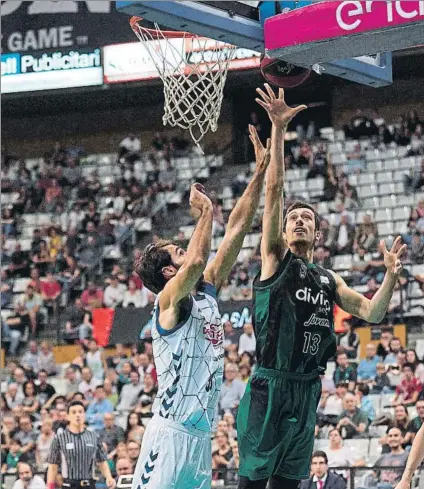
(50, 291)
(409, 389)
(92, 297)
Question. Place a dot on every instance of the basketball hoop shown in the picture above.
(193, 70)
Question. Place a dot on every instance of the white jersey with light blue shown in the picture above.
(189, 361)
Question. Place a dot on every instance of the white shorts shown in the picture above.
(173, 457)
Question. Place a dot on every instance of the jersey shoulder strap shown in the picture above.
(278, 275)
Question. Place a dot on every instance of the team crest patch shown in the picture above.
(303, 271)
(214, 333)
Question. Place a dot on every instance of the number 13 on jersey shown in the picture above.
(311, 343)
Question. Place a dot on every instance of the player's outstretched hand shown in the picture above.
(403, 485)
(198, 198)
(392, 258)
(262, 155)
(279, 112)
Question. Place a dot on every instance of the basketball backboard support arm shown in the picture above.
(228, 24)
(199, 19)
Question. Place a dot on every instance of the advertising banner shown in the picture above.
(29, 27)
(132, 61)
(53, 70)
(131, 325)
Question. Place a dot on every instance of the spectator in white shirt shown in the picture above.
(247, 340)
(340, 455)
(130, 392)
(331, 406)
(114, 293)
(27, 480)
(129, 149)
(134, 297)
(232, 389)
(88, 384)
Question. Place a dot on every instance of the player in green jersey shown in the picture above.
(293, 320)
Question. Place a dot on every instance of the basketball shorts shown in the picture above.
(173, 457)
(276, 423)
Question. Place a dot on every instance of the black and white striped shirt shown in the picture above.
(76, 453)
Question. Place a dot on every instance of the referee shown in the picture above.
(76, 450)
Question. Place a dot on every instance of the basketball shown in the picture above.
(282, 74)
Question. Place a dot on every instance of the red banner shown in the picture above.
(102, 325)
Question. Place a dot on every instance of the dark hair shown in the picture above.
(301, 205)
(129, 427)
(321, 454)
(364, 388)
(26, 384)
(334, 429)
(409, 365)
(100, 386)
(75, 403)
(416, 356)
(78, 394)
(149, 266)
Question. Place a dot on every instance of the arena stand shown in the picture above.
(371, 186)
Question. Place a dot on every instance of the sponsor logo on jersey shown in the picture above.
(303, 270)
(324, 280)
(314, 320)
(214, 333)
(306, 295)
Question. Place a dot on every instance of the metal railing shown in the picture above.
(356, 478)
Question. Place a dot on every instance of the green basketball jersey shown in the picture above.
(293, 317)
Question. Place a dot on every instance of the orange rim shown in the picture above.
(155, 34)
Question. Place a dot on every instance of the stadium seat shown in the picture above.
(385, 228)
(401, 213)
(384, 177)
(342, 262)
(371, 203)
(360, 445)
(367, 191)
(382, 215)
(389, 201)
(338, 159)
(366, 178)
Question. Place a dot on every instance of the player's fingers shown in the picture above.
(270, 91)
(281, 93)
(253, 131)
(395, 244)
(262, 103)
(263, 95)
(299, 108)
(383, 245)
(268, 144)
(402, 250)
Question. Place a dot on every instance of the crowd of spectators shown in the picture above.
(118, 390)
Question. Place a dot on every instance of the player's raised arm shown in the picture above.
(179, 286)
(272, 236)
(240, 220)
(415, 458)
(375, 309)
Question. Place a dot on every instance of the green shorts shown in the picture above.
(276, 424)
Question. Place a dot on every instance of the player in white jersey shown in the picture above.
(188, 340)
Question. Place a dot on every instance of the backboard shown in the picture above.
(242, 24)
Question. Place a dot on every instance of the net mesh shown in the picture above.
(193, 70)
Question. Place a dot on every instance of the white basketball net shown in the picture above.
(193, 70)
